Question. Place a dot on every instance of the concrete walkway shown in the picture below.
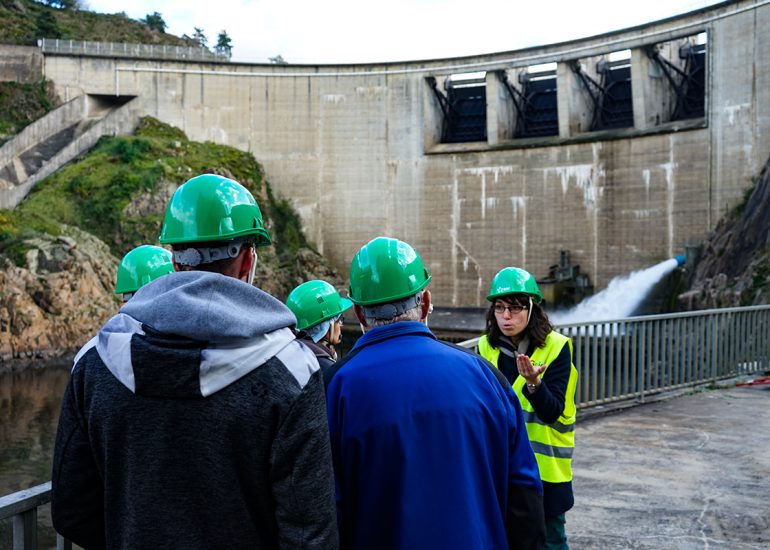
(691, 472)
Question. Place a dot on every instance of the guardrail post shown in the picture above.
(25, 530)
(642, 359)
(62, 543)
(713, 337)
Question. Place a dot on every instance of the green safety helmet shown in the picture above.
(314, 302)
(514, 280)
(140, 266)
(212, 208)
(386, 270)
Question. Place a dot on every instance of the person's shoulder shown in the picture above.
(330, 371)
(299, 362)
(488, 368)
(86, 360)
(463, 351)
(556, 338)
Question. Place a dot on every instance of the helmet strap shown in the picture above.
(205, 255)
(393, 309)
(529, 309)
(253, 269)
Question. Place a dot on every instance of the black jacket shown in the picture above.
(198, 430)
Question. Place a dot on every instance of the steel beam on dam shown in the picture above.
(619, 159)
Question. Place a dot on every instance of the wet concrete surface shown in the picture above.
(691, 472)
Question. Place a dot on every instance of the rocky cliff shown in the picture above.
(733, 264)
(58, 297)
(59, 250)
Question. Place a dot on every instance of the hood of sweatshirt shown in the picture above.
(190, 334)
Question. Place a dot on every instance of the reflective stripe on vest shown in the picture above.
(531, 418)
(553, 443)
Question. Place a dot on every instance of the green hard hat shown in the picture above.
(140, 266)
(514, 280)
(314, 302)
(386, 270)
(212, 208)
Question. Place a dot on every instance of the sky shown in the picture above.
(361, 31)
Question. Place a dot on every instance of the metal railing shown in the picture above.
(22, 508)
(637, 357)
(124, 49)
(616, 360)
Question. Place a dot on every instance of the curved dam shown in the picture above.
(621, 148)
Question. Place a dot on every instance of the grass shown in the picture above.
(98, 193)
(23, 103)
(23, 26)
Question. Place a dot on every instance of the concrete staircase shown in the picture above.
(59, 137)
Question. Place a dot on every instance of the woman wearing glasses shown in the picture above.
(318, 308)
(521, 342)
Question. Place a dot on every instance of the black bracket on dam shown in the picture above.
(537, 112)
(688, 84)
(464, 109)
(611, 97)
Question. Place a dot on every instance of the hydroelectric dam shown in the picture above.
(622, 148)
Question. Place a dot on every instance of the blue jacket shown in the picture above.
(430, 448)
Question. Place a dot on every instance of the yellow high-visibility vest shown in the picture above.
(553, 443)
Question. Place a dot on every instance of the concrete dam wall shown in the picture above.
(621, 148)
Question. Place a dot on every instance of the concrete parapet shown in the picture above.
(93, 121)
(123, 49)
(44, 127)
(20, 64)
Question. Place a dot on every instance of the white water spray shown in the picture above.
(620, 299)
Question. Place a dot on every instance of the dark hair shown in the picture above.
(537, 330)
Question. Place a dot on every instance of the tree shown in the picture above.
(62, 4)
(278, 60)
(155, 22)
(199, 37)
(47, 25)
(224, 45)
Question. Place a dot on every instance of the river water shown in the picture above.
(30, 399)
(29, 411)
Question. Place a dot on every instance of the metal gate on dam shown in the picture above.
(622, 148)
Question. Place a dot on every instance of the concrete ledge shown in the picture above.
(587, 137)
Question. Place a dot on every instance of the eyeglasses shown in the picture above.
(501, 309)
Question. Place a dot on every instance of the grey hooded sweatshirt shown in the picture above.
(195, 419)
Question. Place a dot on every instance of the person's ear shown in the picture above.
(360, 315)
(247, 257)
(426, 307)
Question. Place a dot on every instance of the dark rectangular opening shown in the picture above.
(539, 114)
(691, 95)
(467, 116)
(615, 106)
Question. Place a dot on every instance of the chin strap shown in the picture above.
(529, 309)
(253, 266)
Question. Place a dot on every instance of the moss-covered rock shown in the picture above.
(59, 249)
